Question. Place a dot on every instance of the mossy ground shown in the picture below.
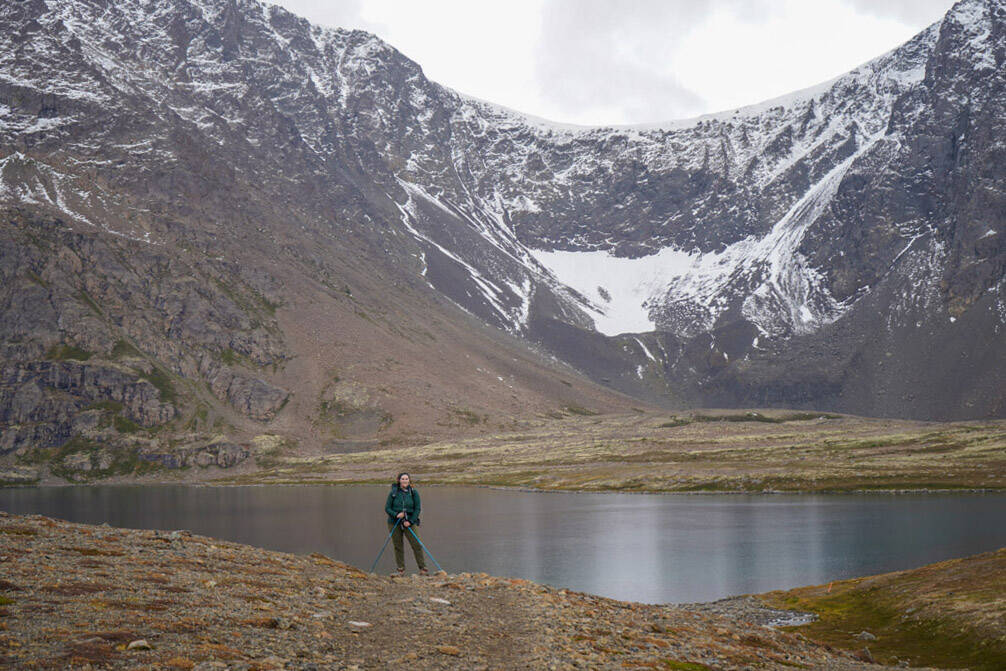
(948, 615)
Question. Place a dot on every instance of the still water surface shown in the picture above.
(662, 548)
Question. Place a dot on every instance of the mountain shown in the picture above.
(217, 219)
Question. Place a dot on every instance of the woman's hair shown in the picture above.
(398, 480)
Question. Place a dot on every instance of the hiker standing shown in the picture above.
(403, 508)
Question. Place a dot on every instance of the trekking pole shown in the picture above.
(424, 548)
(374, 565)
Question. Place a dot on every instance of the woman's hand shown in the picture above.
(401, 514)
(406, 524)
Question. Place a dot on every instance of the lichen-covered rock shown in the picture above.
(219, 452)
(19, 475)
(78, 461)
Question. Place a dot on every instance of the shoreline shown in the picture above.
(93, 591)
(518, 488)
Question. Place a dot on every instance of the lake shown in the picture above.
(650, 548)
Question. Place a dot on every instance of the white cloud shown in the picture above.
(605, 62)
(734, 61)
(341, 14)
(910, 12)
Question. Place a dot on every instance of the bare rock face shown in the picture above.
(92, 383)
(253, 396)
(103, 338)
(348, 410)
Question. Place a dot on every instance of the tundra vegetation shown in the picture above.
(713, 451)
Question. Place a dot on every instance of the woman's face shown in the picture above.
(404, 481)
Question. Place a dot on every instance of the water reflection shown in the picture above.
(644, 548)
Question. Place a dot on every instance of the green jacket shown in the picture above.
(403, 499)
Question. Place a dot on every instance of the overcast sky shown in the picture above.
(602, 62)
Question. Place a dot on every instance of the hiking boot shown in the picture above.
(423, 571)
(400, 571)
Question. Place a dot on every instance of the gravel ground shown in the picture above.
(82, 596)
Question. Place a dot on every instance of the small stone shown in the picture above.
(323, 615)
(139, 644)
(866, 636)
(361, 625)
(436, 599)
(449, 650)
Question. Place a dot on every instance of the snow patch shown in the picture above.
(631, 284)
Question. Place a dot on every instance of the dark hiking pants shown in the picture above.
(396, 540)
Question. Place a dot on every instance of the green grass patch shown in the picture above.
(90, 302)
(253, 303)
(125, 425)
(199, 417)
(941, 643)
(34, 277)
(684, 666)
(107, 406)
(580, 410)
(746, 417)
(162, 381)
(806, 416)
(124, 348)
(64, 352)
(6, 601)
(673, 422)
(268, 306)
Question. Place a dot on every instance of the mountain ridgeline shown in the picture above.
(218, 220)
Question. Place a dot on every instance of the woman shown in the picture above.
(403, 508)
